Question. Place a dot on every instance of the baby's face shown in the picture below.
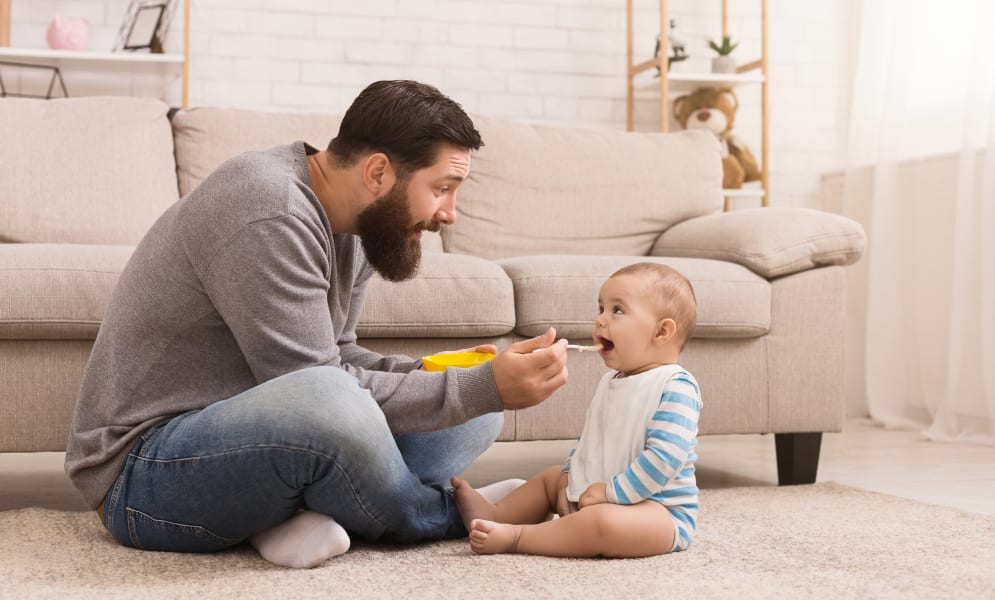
(627, 321)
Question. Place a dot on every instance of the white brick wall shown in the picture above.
(560, 61)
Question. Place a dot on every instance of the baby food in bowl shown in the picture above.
(439, 362)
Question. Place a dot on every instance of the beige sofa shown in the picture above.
(546, 215)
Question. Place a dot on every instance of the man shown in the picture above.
(226, 390)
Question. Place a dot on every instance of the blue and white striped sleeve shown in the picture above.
(670, 438)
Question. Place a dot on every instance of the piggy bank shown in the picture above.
(67, 33)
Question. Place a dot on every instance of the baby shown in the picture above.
(628, 488)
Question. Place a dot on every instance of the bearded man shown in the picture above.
(226, 398)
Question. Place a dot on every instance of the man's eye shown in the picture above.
(444, 190)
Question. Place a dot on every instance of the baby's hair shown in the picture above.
(675, 296)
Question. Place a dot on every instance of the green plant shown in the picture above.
(726, 48)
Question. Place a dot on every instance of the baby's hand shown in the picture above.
(596, 493)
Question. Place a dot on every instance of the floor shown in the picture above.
(901, 463)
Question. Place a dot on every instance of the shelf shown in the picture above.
(743, 193)
(96, 61)
(687, 82)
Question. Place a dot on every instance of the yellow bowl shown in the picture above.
(439, 362)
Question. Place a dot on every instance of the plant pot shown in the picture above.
(723, 64)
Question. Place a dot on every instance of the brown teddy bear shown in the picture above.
(714, 109)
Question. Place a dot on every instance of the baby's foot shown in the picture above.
(488, 537)
(470, 503)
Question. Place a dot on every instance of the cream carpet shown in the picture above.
(824, 540)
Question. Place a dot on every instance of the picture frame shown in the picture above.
(143, 29)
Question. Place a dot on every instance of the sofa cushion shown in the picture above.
(536, 189)
(84, 170)
(57, 291)
(771, 242)
(451, 296)
(206, 137)
(562, 291)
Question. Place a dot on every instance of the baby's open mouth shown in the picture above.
(606, 344)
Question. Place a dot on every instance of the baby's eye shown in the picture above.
(601, 309)
(618, 310)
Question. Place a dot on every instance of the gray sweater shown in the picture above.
(240, 282)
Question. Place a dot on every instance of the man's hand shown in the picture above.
(563, 506)
(529, 371)
(490, 348)
(596, 493)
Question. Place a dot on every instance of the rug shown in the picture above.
(822, 540)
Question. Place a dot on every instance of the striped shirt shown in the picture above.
(639, 437)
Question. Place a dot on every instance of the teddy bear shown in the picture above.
(714, 109)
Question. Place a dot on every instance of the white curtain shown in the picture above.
(921, 168)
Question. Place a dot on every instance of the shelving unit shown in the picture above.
(752, 73)
(177, 65)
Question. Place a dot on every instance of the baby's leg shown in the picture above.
(644, 529)
(529, 503)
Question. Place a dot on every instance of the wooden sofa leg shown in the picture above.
(797, 457)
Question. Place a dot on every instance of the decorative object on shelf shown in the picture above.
(723, 63)
(714, 109)
(56, 77)
(145, 25)
(68, 33)
(677, 51)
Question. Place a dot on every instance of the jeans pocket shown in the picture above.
(148, 533)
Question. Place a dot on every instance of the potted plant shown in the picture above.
(723, 63)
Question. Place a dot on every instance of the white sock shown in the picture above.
(498, 490)
(303, 541)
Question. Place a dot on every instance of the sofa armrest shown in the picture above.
(771, 242)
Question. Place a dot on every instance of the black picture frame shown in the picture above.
(144, 27)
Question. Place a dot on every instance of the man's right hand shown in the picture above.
(529, 371)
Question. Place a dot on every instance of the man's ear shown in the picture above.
(666, 329)
(377, 173)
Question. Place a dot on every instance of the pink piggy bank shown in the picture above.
(67, 33)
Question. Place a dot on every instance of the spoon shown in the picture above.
(594, 348)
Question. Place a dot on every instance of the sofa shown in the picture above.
(545, 216)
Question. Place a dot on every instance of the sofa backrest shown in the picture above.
(206, 137)
(95, 170)
(538, 189)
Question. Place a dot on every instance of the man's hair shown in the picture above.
(405, 120)
(673, 294)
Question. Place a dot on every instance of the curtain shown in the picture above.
(921, 169)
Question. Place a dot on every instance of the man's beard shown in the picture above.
(387, 234)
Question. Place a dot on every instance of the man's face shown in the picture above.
(390, 228)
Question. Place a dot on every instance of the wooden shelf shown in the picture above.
(85, 60)
(662, 88)
(687, 82)
(744, 193)
(82, 60)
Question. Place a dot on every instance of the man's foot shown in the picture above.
(303, 541)
(470, 503)
(488, 537)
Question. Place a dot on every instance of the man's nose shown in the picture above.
(447, 210)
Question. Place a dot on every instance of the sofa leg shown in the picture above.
(797, 457)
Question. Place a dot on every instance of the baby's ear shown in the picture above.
(666, 330)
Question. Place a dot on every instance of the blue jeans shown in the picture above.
(208, 479)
